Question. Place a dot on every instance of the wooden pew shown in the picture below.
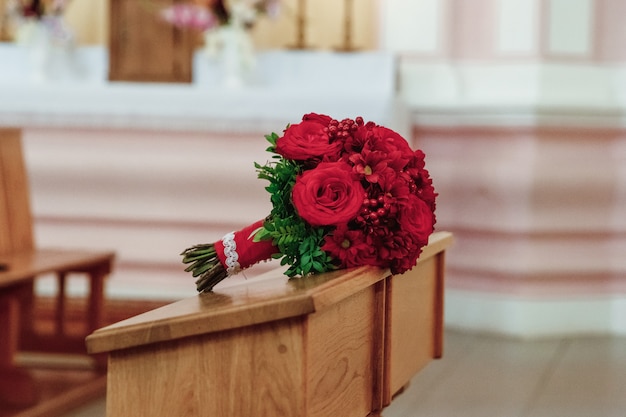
(20, 264)
(336, 344)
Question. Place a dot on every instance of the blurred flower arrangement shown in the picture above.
(38, 9)
(344, 194)
(31, 16)
(211, 14)
(225, 25)
(41, 28)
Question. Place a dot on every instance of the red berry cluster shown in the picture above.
(373, 211)
(343, 129)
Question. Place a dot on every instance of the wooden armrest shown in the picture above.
(24, 265)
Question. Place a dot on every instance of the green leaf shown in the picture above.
(272, 138)
(318, 266)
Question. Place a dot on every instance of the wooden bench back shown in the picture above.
(16, 232)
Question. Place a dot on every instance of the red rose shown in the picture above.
(308, 140)
(417, 218)
(328, 195)
(319, 118)
(391, 141)
(394, 145)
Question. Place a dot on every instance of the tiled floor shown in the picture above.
(492, 377)
(483, 376)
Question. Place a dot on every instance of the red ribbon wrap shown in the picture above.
(249, 252)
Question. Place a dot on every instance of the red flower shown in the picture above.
(350, 247)
(318, 118)
(328, 195)
(416, 223)
(390, 142)
(356, 142)
(371, 165)
(425, 190)
(308, 140)
(416, 217)
(395, 186)
(395, 248)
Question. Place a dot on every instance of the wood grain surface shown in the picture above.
(336, 344)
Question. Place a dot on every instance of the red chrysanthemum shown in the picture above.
(350, 247)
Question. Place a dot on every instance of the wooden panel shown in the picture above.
(253, 371)
(340, 348)
(16, 385)
(412, 323)
(143, 47)
(15, 217)
(268, 297)
(9, 323)
(331, 344)
(4, 22)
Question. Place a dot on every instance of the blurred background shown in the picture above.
(519, 106)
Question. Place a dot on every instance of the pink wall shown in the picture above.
(610, 21)
(469, 32)
(536, 212)
(471, 29)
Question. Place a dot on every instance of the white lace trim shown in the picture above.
(230, 251)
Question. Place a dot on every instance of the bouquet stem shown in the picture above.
(211, 263)
(205, 265)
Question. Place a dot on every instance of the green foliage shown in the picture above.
(299, 243)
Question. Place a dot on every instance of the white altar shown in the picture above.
(284, 86)
(148, 169)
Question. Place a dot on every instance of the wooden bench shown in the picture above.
(336, 344)
(20, 264)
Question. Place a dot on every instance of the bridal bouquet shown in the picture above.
(344, 194)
